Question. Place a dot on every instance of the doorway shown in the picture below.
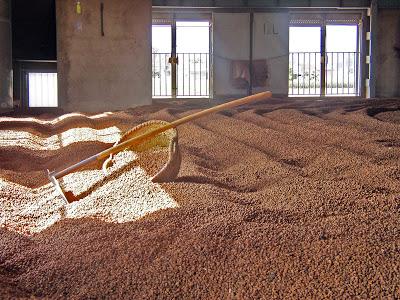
(324, 60)
(181, 59)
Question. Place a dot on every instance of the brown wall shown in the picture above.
(108, 72)
(5, 56)
(388, 62)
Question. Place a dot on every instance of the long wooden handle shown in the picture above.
(139, 139)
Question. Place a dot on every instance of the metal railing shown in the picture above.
(192, 75)
(341, 74)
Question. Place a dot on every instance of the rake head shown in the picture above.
(57, 186)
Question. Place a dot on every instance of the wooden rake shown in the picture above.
(54, 176)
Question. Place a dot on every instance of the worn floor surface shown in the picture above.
(286, 199)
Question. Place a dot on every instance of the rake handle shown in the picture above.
(139, 139)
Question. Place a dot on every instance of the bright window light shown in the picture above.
(43, 90)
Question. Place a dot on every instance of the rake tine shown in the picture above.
(57, 186)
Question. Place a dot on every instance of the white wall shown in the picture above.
(231, 41)
(271, 42)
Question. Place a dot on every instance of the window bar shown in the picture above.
(325, 87)
(153, 75)
(165, 75)
(207, 75)
(177, 77)
(291, 68)
(183, 74)
(159, 63)
(40, 98)
(41, 89)
(293, 86)
(348, 74)
(44, 94)
(194, 74)
(309, 73)
(156, 77)
(298, 77)
(166, 68)
(189, 75)
(343, 73)
(200, 74)
(30, 88)
(205, 78)
(290, 84)
(37, 89)
(337, 73)
(355, 72)
(315, 73)
(293, 80)
(332, 75)
(46, 91)
(156, 72)
(304, 71)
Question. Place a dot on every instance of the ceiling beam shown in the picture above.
(267, 3)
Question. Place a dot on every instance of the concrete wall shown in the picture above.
(5, 56)
(388, 62)
(108, 72)
(231, 41)
(271, 42)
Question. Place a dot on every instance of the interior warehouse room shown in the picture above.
(190, 149)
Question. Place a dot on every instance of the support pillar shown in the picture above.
(6, 100)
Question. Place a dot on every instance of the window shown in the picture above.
(181, 59)
(42, 89)
(324, 57)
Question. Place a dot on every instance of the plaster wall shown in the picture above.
(271, 42)
(388, 58)
(5, 56)
(95, 72)
(231, 40)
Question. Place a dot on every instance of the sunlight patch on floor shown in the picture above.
(30, 141)
(125, 194)
(55, 120)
